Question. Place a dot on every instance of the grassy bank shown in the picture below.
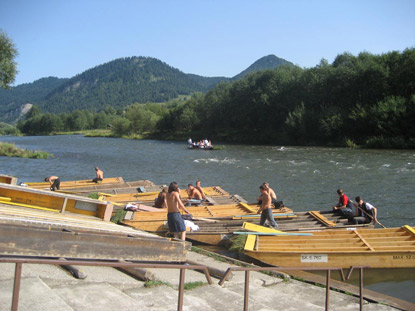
(11, 150)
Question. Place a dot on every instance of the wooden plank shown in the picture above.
(250, 242)
(249, 208)
(27, 241)
(364, 241)
(64, 205)
(209, 210)
(257, 228)
(30, 206)
(322, 218)
(409, 229)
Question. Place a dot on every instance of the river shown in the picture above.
(305, 178)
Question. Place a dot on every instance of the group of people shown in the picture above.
(195, 193)
(55, 182)
(364, 212)
(202, 144)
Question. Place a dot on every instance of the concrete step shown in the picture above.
(97, 296)
(35, 295)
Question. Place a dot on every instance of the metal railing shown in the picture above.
(114, 264)
(328, 273)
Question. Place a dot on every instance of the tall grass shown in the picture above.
(11, 150)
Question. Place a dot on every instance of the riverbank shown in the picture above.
(11, 150)
(397, 143)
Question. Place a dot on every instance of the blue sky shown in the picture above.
(207, 37)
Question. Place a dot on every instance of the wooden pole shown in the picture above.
(370, 216)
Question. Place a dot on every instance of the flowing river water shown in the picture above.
(305, 178)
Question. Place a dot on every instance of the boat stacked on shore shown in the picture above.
(314, 238)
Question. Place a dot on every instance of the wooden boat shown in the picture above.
(151, 196)
(115, 188)
(52, 201)
(218, 232)
(6, 179)
(76, 183)
(154, 221)
(376, 248)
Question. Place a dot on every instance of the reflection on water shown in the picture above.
(394, 282)
(305, 178)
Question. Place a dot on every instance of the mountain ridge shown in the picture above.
(117, 83)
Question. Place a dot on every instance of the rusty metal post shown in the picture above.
(225, 277)
(361, 288)
(16, 286)
(246, 292)
(327, 289)
(181, 290)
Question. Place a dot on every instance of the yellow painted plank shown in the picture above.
(30, 206)
(258, 228)
(409, 229)
(249, 208)
(5, 199)
(250, 242)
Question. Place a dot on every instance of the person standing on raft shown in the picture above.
(265, 210)
(54, 182)
(174, 218)
(100, 175)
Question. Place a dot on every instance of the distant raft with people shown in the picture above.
(204, 144)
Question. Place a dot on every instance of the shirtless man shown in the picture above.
(199, 187)
(174, 218)
(54, 182)
(194, 193)
(100, 175)
(265, 210)
(271, 193)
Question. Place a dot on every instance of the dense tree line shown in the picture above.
(365, 99)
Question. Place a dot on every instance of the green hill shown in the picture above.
(264, 63)
(118, 83)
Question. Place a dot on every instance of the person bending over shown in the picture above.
(100, 175)
(54, 182)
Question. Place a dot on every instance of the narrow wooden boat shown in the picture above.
(377, 248)
(52, 201)
(151, 196)
(76, 183)
(115, 188)
(220, 231)
(6, 179)
(154, 221)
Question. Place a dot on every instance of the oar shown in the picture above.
(370, 216)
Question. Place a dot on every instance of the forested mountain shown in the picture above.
(118, 83)
(264, 63)
(12, 100)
